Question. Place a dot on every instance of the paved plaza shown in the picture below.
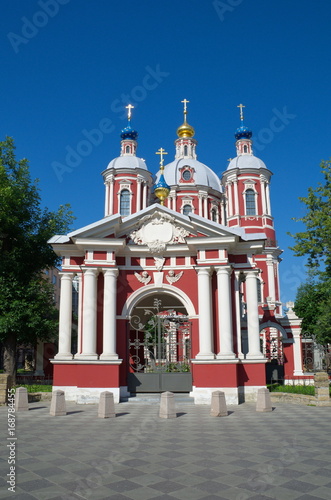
(284, 455)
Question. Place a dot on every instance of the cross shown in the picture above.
(129, 107)
(241, 106)
(185, 107)
(161, 152)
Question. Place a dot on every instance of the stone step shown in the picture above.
(155, 398)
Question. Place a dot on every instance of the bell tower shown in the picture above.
(127, 180)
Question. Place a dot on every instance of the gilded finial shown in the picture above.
(129, 107)
(241, 106)
(185, 130)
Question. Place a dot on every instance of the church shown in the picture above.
(178, 282)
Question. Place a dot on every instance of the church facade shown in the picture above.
(178, 282)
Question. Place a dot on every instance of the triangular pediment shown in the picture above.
(155, 223)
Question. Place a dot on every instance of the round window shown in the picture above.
(187, 175)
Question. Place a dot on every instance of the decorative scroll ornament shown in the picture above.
(171, 277)
(156, 231)
(144, 277)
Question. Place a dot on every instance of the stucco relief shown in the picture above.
(157, 231)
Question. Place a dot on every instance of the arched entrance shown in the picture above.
(159, 344)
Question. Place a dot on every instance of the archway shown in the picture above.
(159, 343)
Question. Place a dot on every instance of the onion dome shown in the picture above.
(243, 132)
(129, 133)
(161, 189)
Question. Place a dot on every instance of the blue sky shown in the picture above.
(70, 66)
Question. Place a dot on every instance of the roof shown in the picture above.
(203, 175)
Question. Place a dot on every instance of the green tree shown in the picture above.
(313, 301)
(313, 305)
(27, 312)
(315, 241)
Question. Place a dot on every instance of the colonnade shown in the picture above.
(87, 316)
(224, 304)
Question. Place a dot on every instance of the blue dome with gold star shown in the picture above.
(129, 133)
(243, 132)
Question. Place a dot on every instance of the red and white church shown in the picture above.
(178, 282)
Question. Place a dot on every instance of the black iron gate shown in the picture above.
(159, 349)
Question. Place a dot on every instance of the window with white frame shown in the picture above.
(187, 209)
(125, 202)
(250, 202)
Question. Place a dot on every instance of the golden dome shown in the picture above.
(185, 130)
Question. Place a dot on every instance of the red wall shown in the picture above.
(86, 375)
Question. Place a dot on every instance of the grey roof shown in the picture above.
(127, 161)
(246, 161)
(203, 175)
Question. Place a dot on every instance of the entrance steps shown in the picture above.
(155, 398)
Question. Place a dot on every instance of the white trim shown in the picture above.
(147, 290)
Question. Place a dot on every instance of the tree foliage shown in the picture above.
(315, 241)
(313, 301)
(26, 298)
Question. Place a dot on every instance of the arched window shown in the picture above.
(214, 215)
(245, 149)
(185, 150)
(250, 202)
(125, 202)
(187, 209)
(127, 149)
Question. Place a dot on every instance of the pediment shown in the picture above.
(156, 225)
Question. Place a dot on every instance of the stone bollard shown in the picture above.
(21, 399)
(322, 390)
(263, 402)
(167, 405)
(106, 407)
(58, 404)
(218, 404)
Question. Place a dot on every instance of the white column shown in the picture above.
(253, 327)
(268, 199)
(111, 196)
(89, 343)
(224, 313)
(206, 350)
(205, 207)
(145, 195)
(106, 198)
(200, 205)
(138, 203)
(109, 314)
(297, 353)
(230, 206)
(80, 309)
(236, 201)
(271, 279)
(65, 319)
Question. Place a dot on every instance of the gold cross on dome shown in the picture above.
(129, 107)
(161, 152)
(241, 106)
(185, 101)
